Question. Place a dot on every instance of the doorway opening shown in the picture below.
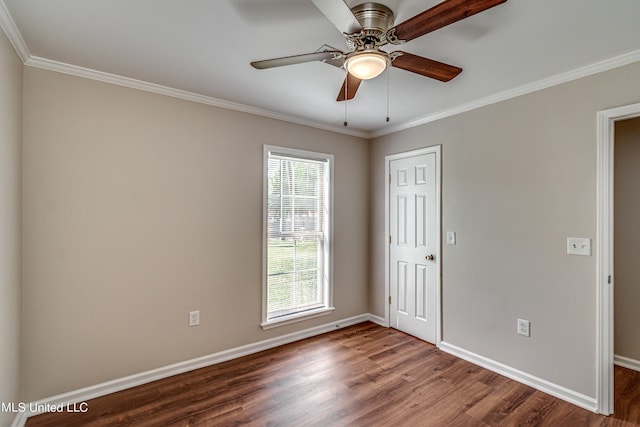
(605, 252)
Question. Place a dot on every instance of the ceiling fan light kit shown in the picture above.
(367, 64)
(369, 26)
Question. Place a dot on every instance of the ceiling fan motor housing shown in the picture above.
(376, 19)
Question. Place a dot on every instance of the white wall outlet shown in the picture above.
(523, 327)
(194, 318)
(579, 246)
(451, 237)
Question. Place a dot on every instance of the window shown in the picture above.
(297, 235)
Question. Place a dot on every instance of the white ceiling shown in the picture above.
(205, 46)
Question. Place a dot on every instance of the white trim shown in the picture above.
(21, 418)
(378, 320)
(604, 253)
(598, 67)
(545, 386)
(437, 149)
(604, 267)
(13, 34)
(298, 317)
(60, 67)
(387, 233)
(626, 362)
(51, 65)
(91, 392)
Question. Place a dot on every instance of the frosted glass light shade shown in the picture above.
(366, 65)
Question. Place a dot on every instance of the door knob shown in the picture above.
(430, 257)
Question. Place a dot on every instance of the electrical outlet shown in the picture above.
(194, 318)
(579, 246)
(523, 327)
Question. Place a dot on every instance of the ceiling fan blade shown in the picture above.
(336, 62)
(349, 88)
(440, 15)
(298, 59)
(425, 66)
(339, 14)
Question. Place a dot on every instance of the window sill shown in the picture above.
(287, 320)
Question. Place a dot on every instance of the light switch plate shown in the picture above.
(194, 318)
(451, 237)
(579, 246)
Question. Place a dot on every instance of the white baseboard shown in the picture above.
(91, 392)
(626, 362)
(378, 320)
(20, 420)
(113, 386)
(555, 390)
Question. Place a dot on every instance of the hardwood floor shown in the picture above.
(364, 375)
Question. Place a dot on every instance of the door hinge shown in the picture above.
(609, 279)
(389, 178)
(389, 299)
(389, 238)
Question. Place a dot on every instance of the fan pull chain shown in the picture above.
(346, 84)
(388, 85)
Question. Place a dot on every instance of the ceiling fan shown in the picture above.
(369, 26)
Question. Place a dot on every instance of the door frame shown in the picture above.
(436, 149)
(604, 254)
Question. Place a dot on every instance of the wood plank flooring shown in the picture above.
(364, 375)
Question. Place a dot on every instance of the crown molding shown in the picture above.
(598, 67)
(575, 74)
(14, 36)
(9, 27)
(61, 67)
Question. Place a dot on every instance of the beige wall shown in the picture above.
(519, 177)
(139, 208)
(627, 239)
(10, 152)
(125, 227)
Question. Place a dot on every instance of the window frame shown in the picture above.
(328, 307)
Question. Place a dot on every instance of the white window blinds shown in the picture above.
(297, 234)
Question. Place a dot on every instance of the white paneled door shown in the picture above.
(414, 245)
